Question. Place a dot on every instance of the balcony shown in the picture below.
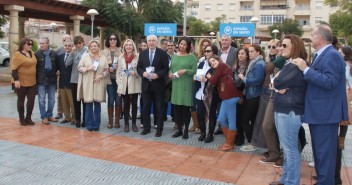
(301, 12)
(273, 5)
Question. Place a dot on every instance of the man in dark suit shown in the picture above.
(153, 67)
(325, 101)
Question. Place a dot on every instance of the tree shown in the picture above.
(215, 24)
(288, 26)
(341, 24)
(129, 16)
(3, 21)
(345, 5)
(196, 26)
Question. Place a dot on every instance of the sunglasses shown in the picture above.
(29, 44)
(208, 51)
(113, 39)
(274, 47)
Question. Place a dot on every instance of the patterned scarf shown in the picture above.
(128, 59)
(48, 65)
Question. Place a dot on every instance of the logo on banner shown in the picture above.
(160, 29)
(228, 30)
(237, 29)
(152, 30)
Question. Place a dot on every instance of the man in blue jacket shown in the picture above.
(325, 101)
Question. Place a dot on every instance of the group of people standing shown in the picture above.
(263, 99)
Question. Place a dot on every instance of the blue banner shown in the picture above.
(164, 29)
(238, 29)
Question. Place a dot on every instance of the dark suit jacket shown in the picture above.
(326, 100)
(161, 68)
(65, 72)
(230, 57)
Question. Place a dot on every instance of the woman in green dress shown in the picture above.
(183, 67)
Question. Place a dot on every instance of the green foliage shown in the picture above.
(288, 26)
(196, 26)
(344, 5)
(215, 25)
(3, 20)
(341, 24)
(129, 16)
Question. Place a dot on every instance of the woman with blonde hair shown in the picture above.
(92, 81)
(128, 82)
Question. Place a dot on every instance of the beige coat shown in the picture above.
(87, 89)
(134, 82)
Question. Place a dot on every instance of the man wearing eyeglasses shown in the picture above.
(61, 51)
(325, 101)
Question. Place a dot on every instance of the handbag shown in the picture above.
(349, 105)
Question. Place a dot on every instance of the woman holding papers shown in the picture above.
(128, 82)
(92, 81)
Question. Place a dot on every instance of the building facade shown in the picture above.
(308, 13)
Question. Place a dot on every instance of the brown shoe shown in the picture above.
(276, 183)
(45, 121)
(29, 121)
(52, 119)
(270, 159)
(23, 122)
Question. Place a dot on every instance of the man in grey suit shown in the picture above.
(228, 55)
(227, 52)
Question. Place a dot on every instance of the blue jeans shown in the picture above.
(92, 118)
(42, 91)
(113, 98)
(287, 126)
(227, 114)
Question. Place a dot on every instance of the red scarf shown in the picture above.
(128, 59)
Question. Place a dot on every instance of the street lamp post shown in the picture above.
(254, 20)
(275, 32)
(53, 26)
(185, 18)
(92, 13)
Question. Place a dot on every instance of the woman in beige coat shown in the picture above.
(128, 81)
(92, 81)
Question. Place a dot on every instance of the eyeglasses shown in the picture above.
(208, 51)
(113, 39)
(273, 47)
(284, 45)
(170, 45)
(29, 44)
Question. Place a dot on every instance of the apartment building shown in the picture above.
(307, 12)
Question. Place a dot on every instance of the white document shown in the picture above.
(149, 69)
(95, 64)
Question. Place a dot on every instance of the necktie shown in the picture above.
(315, 57)
(151, 57)
(66, 55)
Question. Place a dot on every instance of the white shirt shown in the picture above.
(200, 94)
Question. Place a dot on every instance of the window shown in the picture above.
(302, 6)
(194, 13)
(232, 20)
(318, 20)
(207, 20)
(207, 7)
(319, 4)
(220, 7)
(271, 19)
(246, 6)
(232, 6)
(245, 18)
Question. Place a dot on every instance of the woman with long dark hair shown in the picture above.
(112, 53)
(23, 68)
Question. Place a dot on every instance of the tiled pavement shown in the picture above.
(62, 154)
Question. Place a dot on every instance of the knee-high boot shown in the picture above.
(230, 138)
(117, 116)
(179, 130)
(195, 122)
(224, 130)
(110, 115)
(21, 116)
